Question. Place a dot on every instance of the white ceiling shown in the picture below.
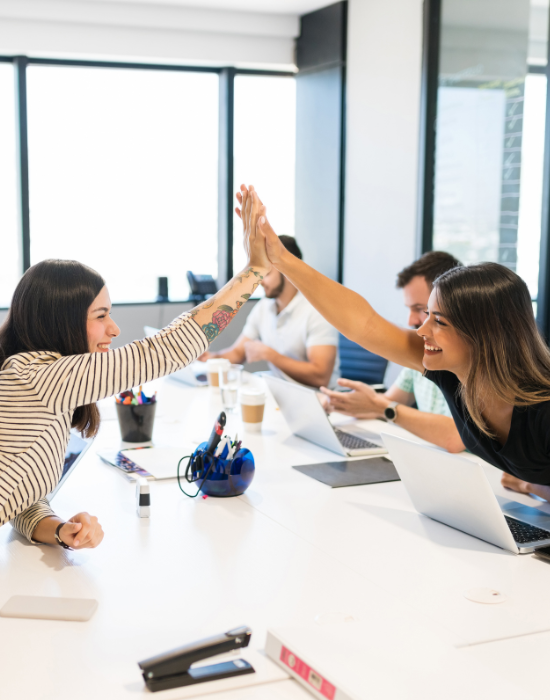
(292, 7)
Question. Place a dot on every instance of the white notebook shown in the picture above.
(161, 462)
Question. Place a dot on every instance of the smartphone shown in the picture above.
(543, 553)
(49, 608)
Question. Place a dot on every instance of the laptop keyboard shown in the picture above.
(522, 532)
(352, 442)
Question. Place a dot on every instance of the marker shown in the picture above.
(216, 434)
(143, 498)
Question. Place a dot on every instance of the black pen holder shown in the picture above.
(136, 422)
(219, 477)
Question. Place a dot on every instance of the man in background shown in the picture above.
(288, 333)
(432, 419)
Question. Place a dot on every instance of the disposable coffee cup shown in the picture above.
(213, 367)
(252, 403)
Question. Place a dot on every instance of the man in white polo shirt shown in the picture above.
(285, 331)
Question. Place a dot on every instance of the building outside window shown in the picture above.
(490, 133)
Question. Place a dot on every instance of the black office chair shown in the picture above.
(361, 365)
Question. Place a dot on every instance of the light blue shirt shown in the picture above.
(427, 395)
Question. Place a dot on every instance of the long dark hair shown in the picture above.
(48, 312)
(490, 306)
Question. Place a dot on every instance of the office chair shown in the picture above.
(361, 365)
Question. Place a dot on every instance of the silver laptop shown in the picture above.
(194, 374)
(76, 449)
(307, 419)
(455, 491)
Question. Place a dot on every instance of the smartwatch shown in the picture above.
(58, 539)
(390, 412)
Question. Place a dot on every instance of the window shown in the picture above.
(265, 149)
(123, 170)
(490, 133)
(12, 266)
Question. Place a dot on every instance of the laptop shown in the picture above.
(194, 374)
(307, 419)
(455, 491)
(76, 449)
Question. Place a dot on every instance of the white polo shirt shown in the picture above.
(298, 327)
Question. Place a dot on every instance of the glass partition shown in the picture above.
(490, 132)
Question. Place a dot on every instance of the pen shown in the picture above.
(218, 452)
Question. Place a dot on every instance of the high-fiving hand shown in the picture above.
(253, 241)
(249, 198)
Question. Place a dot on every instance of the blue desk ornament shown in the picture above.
(219, 467)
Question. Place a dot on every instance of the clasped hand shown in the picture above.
(256, 351)
(82, 531)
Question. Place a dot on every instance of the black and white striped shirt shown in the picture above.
(39, 392)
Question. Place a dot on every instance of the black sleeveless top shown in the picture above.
(526, 453)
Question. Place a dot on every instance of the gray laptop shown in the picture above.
(307, 419)
(76, 449)
(455, 491)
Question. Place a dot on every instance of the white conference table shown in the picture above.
(287, 551)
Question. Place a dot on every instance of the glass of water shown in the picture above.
(230, 381)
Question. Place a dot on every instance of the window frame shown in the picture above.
(426, 180)
(225, 155)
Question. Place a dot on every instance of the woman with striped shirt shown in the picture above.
(55, 363)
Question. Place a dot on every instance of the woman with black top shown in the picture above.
(480, 345)
(55, 363)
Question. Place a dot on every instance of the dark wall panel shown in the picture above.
(318, 156)
(323, 37)
(320, 128)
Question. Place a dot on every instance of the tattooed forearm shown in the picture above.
(224, 308)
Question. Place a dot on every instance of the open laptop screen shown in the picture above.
(76, 449)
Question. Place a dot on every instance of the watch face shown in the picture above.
(390, 413)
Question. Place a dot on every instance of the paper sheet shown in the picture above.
(161, 462)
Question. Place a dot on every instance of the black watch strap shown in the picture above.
(58, 538)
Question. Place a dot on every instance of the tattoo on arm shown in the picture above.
(224, 314)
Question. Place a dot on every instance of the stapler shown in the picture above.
(173, 668)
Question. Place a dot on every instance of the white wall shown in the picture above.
(383, 102)
(146, 32)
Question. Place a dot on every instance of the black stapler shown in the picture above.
(172, 669)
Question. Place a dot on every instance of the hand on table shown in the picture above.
(256, 351)
(82, 531)
(253, 240)
(361, 402)
(205, 356)
(515, 484)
